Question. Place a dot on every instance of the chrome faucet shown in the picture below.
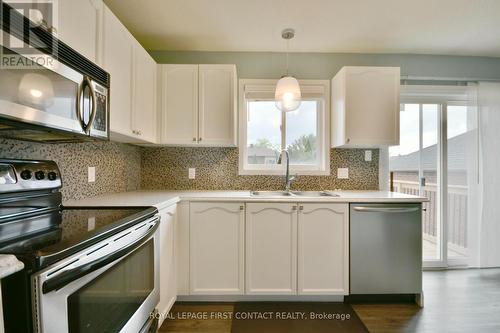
(288, 178)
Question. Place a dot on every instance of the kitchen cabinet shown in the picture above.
(168, 288)
(323, 245)
(144, 95)
(117, 60)
(182, 248)
(78, 25)
(217, 105)
(179, 112)
(216, 248)
(133, 84)
(365, 107)
(198, 105)
(271, 248)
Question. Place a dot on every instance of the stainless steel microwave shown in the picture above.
(48, 91)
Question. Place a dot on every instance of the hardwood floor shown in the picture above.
(455, 301)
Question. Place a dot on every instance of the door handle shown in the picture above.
(80, 104)
(71, 275)
(386, 209)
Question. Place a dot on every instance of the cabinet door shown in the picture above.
(372, 105)
(182, 248)
(77, 25)
(217, 105)
(117, 60)
(323, 249)
(168, 288)
(179, 110)
(144, 101)
(271, 248)
(216, 248)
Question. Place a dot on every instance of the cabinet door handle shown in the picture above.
(294, 207)
(242, 207)
(301, 207)
(199, 139)
(194, 139)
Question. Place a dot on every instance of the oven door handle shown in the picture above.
(71, 275)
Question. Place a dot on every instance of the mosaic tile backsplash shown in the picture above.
(166, 168)
(117, 165)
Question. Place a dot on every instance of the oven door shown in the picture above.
(49, 94)
(112, 286)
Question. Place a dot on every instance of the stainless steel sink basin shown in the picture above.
(272, 193)
(306, 194)
(314, 194)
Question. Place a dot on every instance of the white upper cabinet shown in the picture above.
(198, 105)
(117, 60)
(365, 106)
(133, 83)
(144, 98)
(78, 22)
(217, 105)
(179, 112)
(217, 232)
(271, 249)
(323, 249)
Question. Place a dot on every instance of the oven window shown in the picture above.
(108, 302)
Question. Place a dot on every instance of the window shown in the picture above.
(265, 130)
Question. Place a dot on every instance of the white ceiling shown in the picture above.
(458, 27)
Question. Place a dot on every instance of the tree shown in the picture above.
(303, 149)
(265, 143)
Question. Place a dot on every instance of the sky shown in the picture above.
(409, 122)
(264, 121)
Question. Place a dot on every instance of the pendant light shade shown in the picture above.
(287, 95)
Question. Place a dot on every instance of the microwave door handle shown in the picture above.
(63, 279)
(86, 83)
(79, 111)
(94, 105)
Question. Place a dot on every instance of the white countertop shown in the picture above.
(9, 265)
(163, 199)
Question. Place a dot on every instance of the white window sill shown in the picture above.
(250, 172)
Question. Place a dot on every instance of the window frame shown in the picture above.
(262, 90)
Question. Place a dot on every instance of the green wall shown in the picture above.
(263, 65)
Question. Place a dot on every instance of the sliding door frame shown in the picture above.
(442, 97)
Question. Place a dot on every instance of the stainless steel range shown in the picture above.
(86, 269)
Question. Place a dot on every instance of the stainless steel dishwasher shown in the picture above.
(386, 248)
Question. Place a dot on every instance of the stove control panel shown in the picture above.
(24, 175)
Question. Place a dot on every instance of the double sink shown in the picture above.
(306, 194)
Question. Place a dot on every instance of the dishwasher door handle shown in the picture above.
(386, 209)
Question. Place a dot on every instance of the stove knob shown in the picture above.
(52, 175)
(39, 175)
(26, 174)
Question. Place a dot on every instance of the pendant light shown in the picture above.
(287, 95)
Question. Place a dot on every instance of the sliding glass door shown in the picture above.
(436, 158)
(414, 166)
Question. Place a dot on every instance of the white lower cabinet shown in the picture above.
(271, 249)
(216, 238)
(323, 244)
(168, 274)
(182, 248)
(233, 248)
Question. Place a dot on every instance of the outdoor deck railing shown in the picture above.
(457, 212)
